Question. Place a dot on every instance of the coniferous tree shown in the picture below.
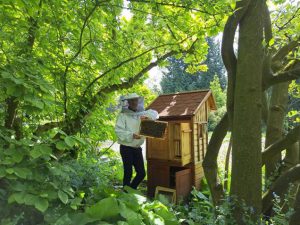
(177, 79)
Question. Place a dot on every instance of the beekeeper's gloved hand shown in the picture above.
(150, 114)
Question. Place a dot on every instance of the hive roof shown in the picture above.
(182, 104)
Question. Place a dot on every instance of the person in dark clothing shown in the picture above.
(127, 128)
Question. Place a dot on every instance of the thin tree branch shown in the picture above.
(80, 49)
(267, 24)
(47, 126)
(210, 162)
(175, 6)
(74, 124)
(280, 186)
(120, 64)
(280, 28)
(289, 75)
(226, 169)
(280, 145)
(284, 51)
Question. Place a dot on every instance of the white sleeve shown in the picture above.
(122, 133)
(151, 114)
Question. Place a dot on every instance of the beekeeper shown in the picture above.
(127, 129)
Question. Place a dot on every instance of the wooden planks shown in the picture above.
(158, 174)
(183, 183)
(177, 147)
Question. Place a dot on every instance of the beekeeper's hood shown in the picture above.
(124, 102)
(130, 96)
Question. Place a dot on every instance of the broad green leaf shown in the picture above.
(17, 197)
(131, 216)
(70, 141)
(64, 220)
(10, 170)
(40, 150)
(122, 223)
(271, 42)
(61, 145)
(63, 196)
(2, 172)
(30, 199)
(22, 172)
(41, 204)
(105, 209)
(81, 219)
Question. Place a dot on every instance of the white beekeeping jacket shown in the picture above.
(128, 123)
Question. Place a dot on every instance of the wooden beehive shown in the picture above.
(176, 161)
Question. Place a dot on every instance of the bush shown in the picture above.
(215, 117)
(40, 187)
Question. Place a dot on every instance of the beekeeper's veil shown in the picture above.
(124, 101)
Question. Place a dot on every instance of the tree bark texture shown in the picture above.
(246, 183)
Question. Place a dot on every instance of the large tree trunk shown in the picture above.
(277, 112)
(246, 181)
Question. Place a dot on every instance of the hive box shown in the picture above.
(153, 129)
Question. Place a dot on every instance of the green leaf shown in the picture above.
(41, 204)
(63, 196)
(10, 170)
(2, 172)
(61, 145)
(122, 223)
(63, 220)
(75, 203)
(17, 197)
(34, 101)
(35, 153)
(81, 219)
(131, 216)
(30, 199)
(70, 141)
(40, 150)
(22, 172)
(271, 42)
(105, 209)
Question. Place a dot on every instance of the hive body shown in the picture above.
(176, 161)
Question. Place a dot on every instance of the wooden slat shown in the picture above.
(183, 183)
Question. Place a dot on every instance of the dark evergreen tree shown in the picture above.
(176, 79)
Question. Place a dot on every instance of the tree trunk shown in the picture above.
(277, 112)
(11, 111)
(210, 163)
(292, 156)
(291, 159)
(246, 181)
(295, 218)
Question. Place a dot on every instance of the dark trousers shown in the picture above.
(132, 157)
